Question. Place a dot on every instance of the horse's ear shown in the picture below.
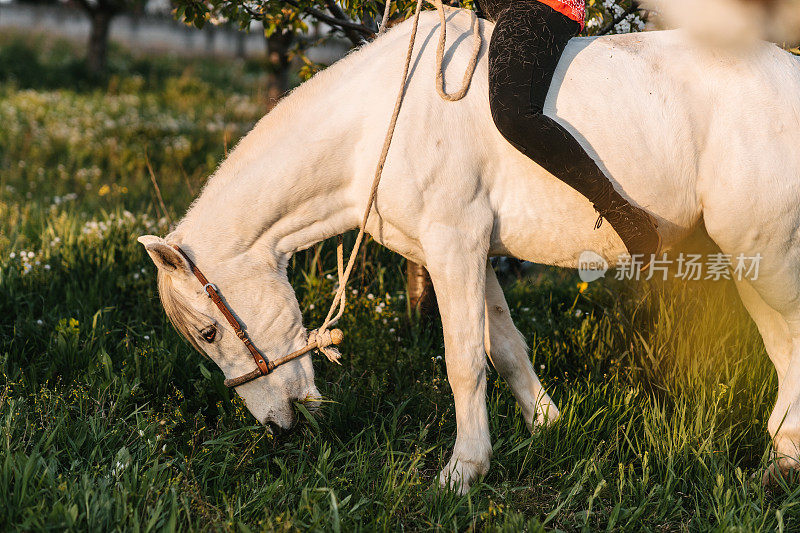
(165, 256)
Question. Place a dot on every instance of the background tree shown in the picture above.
(279, 56)
(100, 13)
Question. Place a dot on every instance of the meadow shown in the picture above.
(110, 420)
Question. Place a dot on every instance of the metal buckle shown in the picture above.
(207, 285)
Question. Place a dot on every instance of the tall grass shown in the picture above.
(111, 421)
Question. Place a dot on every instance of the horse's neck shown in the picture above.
(280, 191)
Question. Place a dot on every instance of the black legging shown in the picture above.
(528, 41)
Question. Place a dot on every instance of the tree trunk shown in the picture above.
(240, 49)
(97, 52)
(421, 295)
(278, 47)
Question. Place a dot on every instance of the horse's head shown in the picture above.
(264, 303)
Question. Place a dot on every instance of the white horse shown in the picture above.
(685, 134)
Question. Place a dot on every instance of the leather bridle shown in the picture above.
(263, 364)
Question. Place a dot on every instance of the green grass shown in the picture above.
(111, 421)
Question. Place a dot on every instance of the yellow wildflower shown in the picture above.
(582, 287)
(105, 189)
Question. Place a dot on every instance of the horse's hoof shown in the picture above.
(546, 416)
(458, 475)
(780, 470)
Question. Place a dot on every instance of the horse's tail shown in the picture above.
(733, 22)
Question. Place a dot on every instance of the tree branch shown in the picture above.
(256, 16)
(355, 38)
(333, 21)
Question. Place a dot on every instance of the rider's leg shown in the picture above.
(490, 9)
(526, 46)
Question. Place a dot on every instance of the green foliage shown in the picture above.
(110, 421)
(295, 15)
(20, 65)
(277, 13)
(33, 62)
(355, 19)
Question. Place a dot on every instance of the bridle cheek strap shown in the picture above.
(264, 365)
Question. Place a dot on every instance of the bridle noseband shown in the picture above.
(265, 366)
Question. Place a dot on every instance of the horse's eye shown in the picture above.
(209, 334)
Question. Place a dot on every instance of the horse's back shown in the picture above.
(672, 119)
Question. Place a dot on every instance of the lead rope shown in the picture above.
(387, 9)
(321, 336)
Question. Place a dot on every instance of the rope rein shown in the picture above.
(339, 299)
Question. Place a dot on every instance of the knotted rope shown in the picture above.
(321, 336)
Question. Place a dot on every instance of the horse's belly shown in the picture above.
(541, 219)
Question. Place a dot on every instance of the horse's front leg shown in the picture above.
(456, 261)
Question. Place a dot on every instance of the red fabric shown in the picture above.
(573, 9)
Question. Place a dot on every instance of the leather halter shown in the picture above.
(264, 365)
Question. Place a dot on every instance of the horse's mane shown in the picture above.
(295, 103)
(178, 311)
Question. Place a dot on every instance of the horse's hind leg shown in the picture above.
(781, 335)
(744, 221)
(773, 301)
(772, 326)
(509, 355)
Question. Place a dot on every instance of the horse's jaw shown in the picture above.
(271, 398)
